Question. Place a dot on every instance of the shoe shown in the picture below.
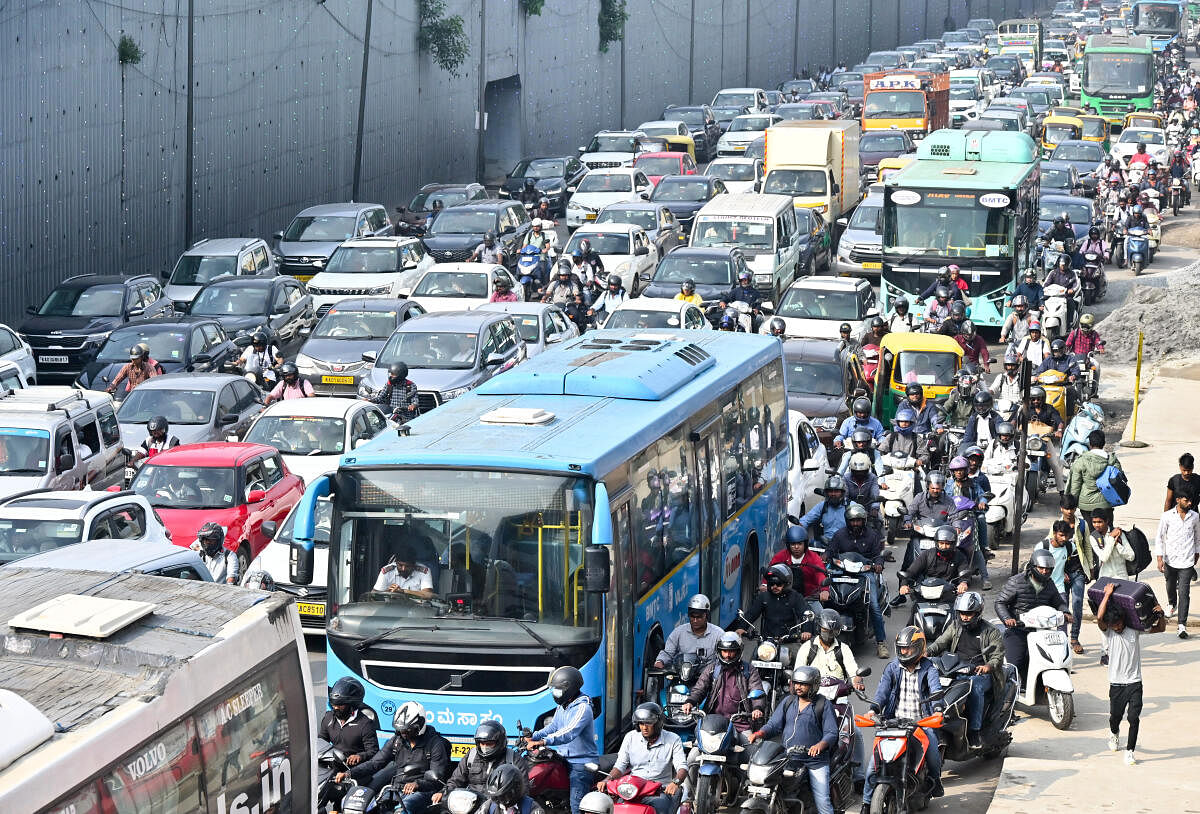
(1077, 647)
(858, 786)
(881, 650)
(1170, 611)
(1104, 658)
(974, 740)
(989, 555)
(986, 585)
(1114, 744)
(889, 556)
(1130, 760)
(1183, 634)
(940, 791)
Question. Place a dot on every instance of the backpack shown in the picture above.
(837, 654)
(1141, 552)
(1113, 485)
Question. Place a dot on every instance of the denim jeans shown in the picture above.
(581, 783)
(859, 766)
(873, 593)
(976, 701)
(1074, 584)
(664, 803)
(935, 766)
(818, 782)
(417, 802)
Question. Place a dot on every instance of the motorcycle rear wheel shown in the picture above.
(1136, 267)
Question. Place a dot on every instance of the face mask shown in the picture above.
(827, 636)
(559, 694)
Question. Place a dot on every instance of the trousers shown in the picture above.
(1125, 699)
(1179, 590)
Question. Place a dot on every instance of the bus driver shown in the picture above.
(403, 574)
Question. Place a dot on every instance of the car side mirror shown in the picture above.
(256, 496)
(31, 309)
(370, 356)
(166, 274)
(280, 309)
(597, 569)
(644, 276)
(811, 465)
(641, 251)
(508, 230)
(135, 312)
(227, 420)
(277, 236)
(582, 150)
(269, 529)
(300, 564)
(495, 360)
(66, 461)
(305, 332)
(836, 189)
(242, 341)
(201, 359)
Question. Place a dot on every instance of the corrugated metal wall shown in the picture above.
(276, 102)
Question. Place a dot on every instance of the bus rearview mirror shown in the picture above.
(301, 564)
(597, 569)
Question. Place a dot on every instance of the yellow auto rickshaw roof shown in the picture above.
(902, 342)
(1067, 110)
(1074, 121)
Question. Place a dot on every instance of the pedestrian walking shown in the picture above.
(1185, 483)
(1068, 574)
(1177, 547)
(1124, 672)
(1087, 468)
(1111, 550)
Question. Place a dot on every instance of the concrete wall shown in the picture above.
(276, 104)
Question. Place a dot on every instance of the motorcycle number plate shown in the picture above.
(337, 380)
(762, 791)
(1036, 453)
(850, 580)
(678, 698)
(926, 544)
(713, 758)
(1055, 637)
(767, 665)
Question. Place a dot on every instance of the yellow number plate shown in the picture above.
(872, 265)
(311, 608)
(304, 278)
(589, 216)
(459, 750)
(337, 380)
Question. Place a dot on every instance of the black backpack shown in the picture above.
(1141, 552)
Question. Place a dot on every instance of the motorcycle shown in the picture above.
(1139, 251)
(777, 782)
(1003, 513)
(330, 762)
(1089, 373)
(1176, 193)
(364, 800)
(1054, 313)
(1154, 219)
(549, 774)
(670, 689)
(901, 747)
(1116, 244)
(1075, 436)
(629, 792)
(773, 658)
(1093, 282)
(716, 775)
(997, 715)
(1038, 473)
(529, 272)
(848, 587)
(897, 487)
(931, 599)
(1050, 660)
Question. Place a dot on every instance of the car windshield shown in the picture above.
(230, 300)
(540, 168)
(364, 260)
(1078, 152)
(645, 218)
(755, 235)
(638, 318)
(867, 217)
(527, 327)
(815, 303)
(798, 112)
(660, 129)
(188, 487)
(731, 171)
(424, 201)
(964, 91)
(467, 284)
(658, 165)
(813, 378)
(926, 367)
(300, 434)
(351, 325)
(796, 182)
(441, 350)
(955, 38)
(734, 99)
(1095, 128)
(602, 242)
(612, 144)
(194, 269)
(1118, 73)
(180, 406)
(894, 104)
(854, 90)
(1135, 136)
(23, 451)
(882, 142)
(320, 229)
(681, 190)
(701, 270)
(1080, 210)
(166, 344)
(1003, 64)
(21, 538)
(92, 301)
(750, 123)
(724, 114)
(842, 77)
(1035, 97)
(693, 118)
(1057, 178)
(462, 222)
(606, 182)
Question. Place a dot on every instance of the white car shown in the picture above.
(275, 559)
(739, 173)
(743, 130)
(602, 187)
(810, 459)
(460, 286)
(312, 434)
(624, 249)
(540, 324)
(753, 99)
(369, 267)
(14, 349)
(815, 307)
(43, 520)
(612, 148)
(653, 314)
(1154, 138)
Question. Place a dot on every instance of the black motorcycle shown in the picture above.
(1092, 280)
(363, 799)
(774, 657)
(777, 780)
(932, 598)
(997, 715)
(848, 586)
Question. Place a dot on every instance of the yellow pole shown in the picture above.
(541, 570)
(1137, 392)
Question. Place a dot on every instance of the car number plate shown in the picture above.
(872, 265)
(311, 608)
(304, 278)
(713, 758)
(337, 380)
(767, 665)
(590, 216)
(52, 360)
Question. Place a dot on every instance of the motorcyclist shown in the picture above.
(975, 349)
(489, 251)
(1178, 168)
(808, 569)
(1040, 411)
(609, 300)
(781, 607)
(981, 426)
(958, 405)
(903, 438)
(952, 325)
(1093, 244)
(962, 485)
(928, 509)
(529, 193)
(543, 210)
(565, 286)
(827, 518)
(1016, 325)
(697, 637)
(158, 439)
(743, 292)
(1007, 385)
(1004, 448)
(862, 486)
(222, 564)
(927, 419)
(415, 744)
(877, 332)
(1085, 340)
(1034, 346)
(856, 537)
(981, 645)
(944, 278)
(860, 419)
(836, 660)
(778, 328)
(543, 241)
(861, 441)
(399, 393)
(899, 318)
(260, 356)
(1140, 156)
(137, 371)
(591, 257)
(944, 561)
(687, 292)
(491, 749)
(507, 791)
(726, 681)
(641, 754)
(290, 386)
(571, 730)
(1031, 588)
(1061, 361)
(1063, 274)
(1060, 229)
(938, 311)
(347, 727)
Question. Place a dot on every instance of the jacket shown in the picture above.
(850, 424)
(864, 494)
(571, 731)
(971, 428)
(808, 575)
(929, 564)
(429, 751)
(1018, 595)
(354, 737)
(402, 399)
(958, 407)
(825, 520)
(746, 679)
(1065, 365)
(887, 696)
(473, 770)
(991, 642)
(925, 511)
(868, 544)
(779, 613)
(927, 417)
(912, 444)
(803, 727)
(1082, 483)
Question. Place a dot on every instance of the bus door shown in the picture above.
(620, 668)
(708, 482)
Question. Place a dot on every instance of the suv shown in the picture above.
(814, 307)
(59, 438)
(44, 520)
(823, 378)
(211, 258)
(446, 194)
(701, 123)
(612, 148)
(312, 235)
(280, 306)
(455, 233)
(386, 267)
(67, 329)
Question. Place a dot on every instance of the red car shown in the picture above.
(656, 165)
(237, 485)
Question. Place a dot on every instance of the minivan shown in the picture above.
(763, 227)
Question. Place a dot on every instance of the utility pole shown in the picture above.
(692, 55)
(833, 31)
(481, 102)
(870, 26)
(1022, 465)
(189, 159)
(747, 69)
(795, 41)
(362, 105)
(623, 74)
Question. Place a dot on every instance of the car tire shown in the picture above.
(243, 558)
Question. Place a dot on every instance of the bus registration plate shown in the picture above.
(459, 750)
(311, 609)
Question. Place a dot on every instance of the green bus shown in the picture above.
(1118, 75)
(970, 198)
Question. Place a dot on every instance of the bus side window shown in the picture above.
(678, 487)
(160, 775)
(736, 469)
(648, 508)
(775, 409)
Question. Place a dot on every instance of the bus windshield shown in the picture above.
(1156, 18)
(894, 104)
(1117, 73)
(947, 224)
(490, 554)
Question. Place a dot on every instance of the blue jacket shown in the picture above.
(831, 519)
(927, 418)
(1065, 365)
(852, 423)
(1032, 293)
(971, 431)
(887, 697)
(571, 731)
(803, 729)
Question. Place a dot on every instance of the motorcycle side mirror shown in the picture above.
(755, 694)
(863, 672)
(795, 521)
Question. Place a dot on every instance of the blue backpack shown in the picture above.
(1113, 485)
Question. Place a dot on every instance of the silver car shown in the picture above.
(199, 407)
(540, 324)
(306, 244)
(860, 250)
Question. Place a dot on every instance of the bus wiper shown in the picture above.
(548, 649)
(378, 637)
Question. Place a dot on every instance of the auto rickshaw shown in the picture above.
(1097, 129)
(1143, 118)
(1056, 129)
(1066, 110)
(682, 144)
(888, 166)
(931, 360)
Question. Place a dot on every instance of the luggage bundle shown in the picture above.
(1135, 598)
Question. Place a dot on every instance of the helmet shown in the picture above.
(829, 625)
(585, 246)
(543, 201)
(731, 641)
(945, 534)
(1035, 326)
(855, 511)
(1065, 217)
(982, 401)
(743, 275)
(779, 574)
(564, 267)
(1058, 220)
(489, 237)
(778, 326)
(1063, 262)
(901, 306)
(614, 280)
(259, 338)
(1037, 394)
(289, 371)
(958, 309)
(914, 389)
(835, 483)
(528, 183)
(795, 534)
(157, 424)
(1029, 274)
(974, 451)
(211, 532)
(844, 328)
(1020, 301)
(689, 285)
(859, 463)
(409, 720)
(1087, 322)
(1094, 233)
(950, 269)
(937, 479)
(970, 602)
(346, 691)
(596, 802)
(942, 292)
(905, 414)
(960, 463)
(968, 328)
(490, 732)
(877, 322)
(1137, 209)
(861, 405)
(1011, 358)
(699, 602)
(806, 674)
(649, 713)
(503, 283)
(506, 785)
(565, 684)
(259, 580)
(136, 354)
(398, 371)
(1005, 428)
(535, 223)
(1058, 348)
(1042, 559)
(910, 645)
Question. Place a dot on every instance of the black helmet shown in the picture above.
(409, 720)
(778, 326)
(1058, 220)
(528, 183)
(489, 237)
(730, 642)
(614, 280)
(829, 625)
(808, 677)
(1065, 217)
(1058, 348)
(565, 684)
(901, 306)
(779, 574)
(968, 328)
(835, 483)
(136, 354)
(502, 283)
(398, 371)
(346, 691)
(649, 713)
(1094, 233)
(506, 785)
(942, 292)
(289, 371)
(958, 309)
(259, 338)
(861, 405)
(910, 645)
(844, 328)
(982, 401)
(157, 424)
(493, 735)
(945, 534)
(877, 322)
(689, 285)
(914, 389)
(211, 532)
(855, 511)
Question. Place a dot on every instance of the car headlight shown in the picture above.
(822, 209)
(767, 651)
(573, 206)
(96, 339)
(763, 278)
(504, 193)
(553, 190)
(829, 422)
(305, 362)
(455, 393)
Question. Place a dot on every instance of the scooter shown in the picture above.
(529, 272)
(901, 747)
(1054, 313)
(1050, 251)
(629, 792)
(1038, 474)
(1116, 244)
(330, 762)
(716, 773)
(1092, 280)
(364, 800)
(1089, 372)
(1154, 218)
(1075, 436)
(1138, 250)
(897, 487)
(997, 716)
(1054, 382)
(1003, 513)
(1050, 660)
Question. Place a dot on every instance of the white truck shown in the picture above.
(816, 162)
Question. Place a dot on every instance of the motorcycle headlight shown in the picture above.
(890, 748)
(710, 742)
(767, 651)
(758, 774)
(455, 393)
(627, 791)
(1036, 444)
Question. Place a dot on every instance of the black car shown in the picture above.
(823, 378)
(179, 345)
(685, 195)
(1007, 69)
(702, 125)
(816, 244)
(881, 144)
(332, 355)
(280, 306)
(455, 233)
(69, 327)
(551, 175)
(726, 115)
(714, 271)
(446, 194)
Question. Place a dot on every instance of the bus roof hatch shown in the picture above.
(79, 615)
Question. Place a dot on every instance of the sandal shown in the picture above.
(1077, 647)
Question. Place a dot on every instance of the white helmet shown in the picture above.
(409, 720)
(536, 222)
(859, 462)
(699, 602)
(596, 802)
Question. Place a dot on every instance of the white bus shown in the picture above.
(132, 693)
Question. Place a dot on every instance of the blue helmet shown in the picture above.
(795, 534)
(905, 413)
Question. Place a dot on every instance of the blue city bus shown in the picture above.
(567, 510)
(1161, 20)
